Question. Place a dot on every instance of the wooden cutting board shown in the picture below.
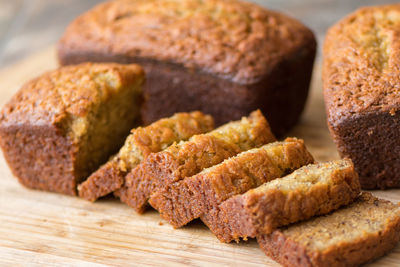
(42, 229)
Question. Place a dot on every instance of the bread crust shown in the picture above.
(108, 178)
(139, 144)
(22, 146)
(361, 80)
(365, 248)
(181, 202)
(252, 63)
(45, 126)
(122, 28)
(188, 158)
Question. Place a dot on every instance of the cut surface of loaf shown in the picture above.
(139, 144)
(309, 191)
(188, 158)
(240, 50)
(184, 201)
(361, 90)
(351, 236)
(59, 127)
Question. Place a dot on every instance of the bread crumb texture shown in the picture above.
(367, 216)
(301, 180)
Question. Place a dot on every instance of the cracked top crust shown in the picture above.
(231, 39)
(65, 97)
(361, 63)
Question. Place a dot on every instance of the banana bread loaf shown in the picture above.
(186, 200)
(223, 57)
(139, 144)
(361, 90)
(311, 190)
(62, 125)
(188, 158)
(351, 236)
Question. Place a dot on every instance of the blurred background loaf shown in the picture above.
(223, 57)
(20, 20)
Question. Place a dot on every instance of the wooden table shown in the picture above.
(46, 229)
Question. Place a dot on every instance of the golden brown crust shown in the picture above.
(181, 202)
(164, 132)
(340, 235)
(299, 196)
(360, 62)
(188, 158)
(56, 95)
(194, 34)
(361, 77)
(51, 129)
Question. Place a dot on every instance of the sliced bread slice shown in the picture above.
(311, 190)
(356, 234)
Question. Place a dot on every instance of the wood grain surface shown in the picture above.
(46, 229)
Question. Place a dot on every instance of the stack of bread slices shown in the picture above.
(238, 179)
(243, 183)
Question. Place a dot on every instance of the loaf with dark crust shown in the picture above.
(312, 190)
(361, 91)
(62, 125)
(223, 57)
(351, 236)
(139, 144)
(188, 158)
(186, 200)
